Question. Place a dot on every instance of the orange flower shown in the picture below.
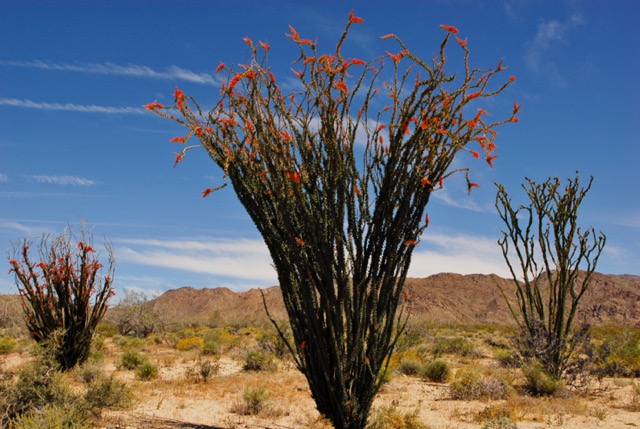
(388, 36)
(178, 159)
(304, 41)
(179, 95)
(441, 131)
(426, 219)
(264, 46)
(272, 78)
(441, 182)
(490, 159)
(357, 190)
(206, 192)
(178, 140)
(410, 242)
(512, 78)
(449, 28)
(471, 185)
(248, 41)
(475, 154)
(154, 105)
(219, 68)
(425, 182)
(295, 177)
(354, 19)
(294, 34)
(303, 344)
(342, 86)
(472, 96)
(358, 62)
(461, 42)
(299, 241)
(397, 57)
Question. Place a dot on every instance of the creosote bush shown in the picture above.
(63, 292)
(339, 191)
(255, 399)
(470, 384)
(437, 371)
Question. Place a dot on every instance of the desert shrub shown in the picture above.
(7, 345)
(469, 385)
(617, 352)
(454, 345)
(257, 360)
(494, 413)
(210, 348)
(190, 343)
(506, 357)
(130, 342)
(437, 371)
(254, 401)
(88, 372)
(108, 392)
(132, 359)
(409, 365)
(500, 423)
(202, 370)
(53, 417)
(391, 418)
(64, 295)
(147, 371)
(538, 381)
(271, 342)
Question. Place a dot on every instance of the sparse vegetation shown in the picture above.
(391, 418)
(147, 371)
(255, 399)
(470, 384)
(437, 371)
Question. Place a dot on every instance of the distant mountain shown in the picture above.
(442, 298)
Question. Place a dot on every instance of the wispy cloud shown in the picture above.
(457, 253)
(4, 178)
(131, 70)
(22, 195)
(549, 34)
(69, 107)
(63, 180)
(466, 203)
(241, 259)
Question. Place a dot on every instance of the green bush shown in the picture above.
(539, 382)
(53, 417)
(409, 366)
(210, 348)
(202, 370)
(454, 345)
(7, 345)
(254, 401)
(132, 359)
(617, 352)
(108, 392)
(437, 371)
(147, 371)
(391, 418)
(507, 358)
(258, 360)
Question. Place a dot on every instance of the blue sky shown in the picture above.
(76, 143)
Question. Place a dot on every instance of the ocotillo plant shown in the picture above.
(339, 191)
(556, 261)
(63, 292)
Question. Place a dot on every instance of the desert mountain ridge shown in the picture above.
(444, 298)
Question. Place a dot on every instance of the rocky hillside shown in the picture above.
(442, 298)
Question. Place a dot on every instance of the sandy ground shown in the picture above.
(174, 401)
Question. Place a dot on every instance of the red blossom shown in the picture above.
(410, 242)
(295, 177)
(178, 158)
(299, 241)
(475, 154)
(396, 57)
(490, 159)
(354, 19)
(473, 95)
(461, 42)
(471, 185)
(426, 219)
(512, 78)
(441, 131)
(388, 36)
(294, 34)
(206, 192)
(219, 68)
(248, 41)
(342, 86)
(264, 46)
(358, 62)
(178, 140)
(426, 182)
(154, 105)
(449, 28)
